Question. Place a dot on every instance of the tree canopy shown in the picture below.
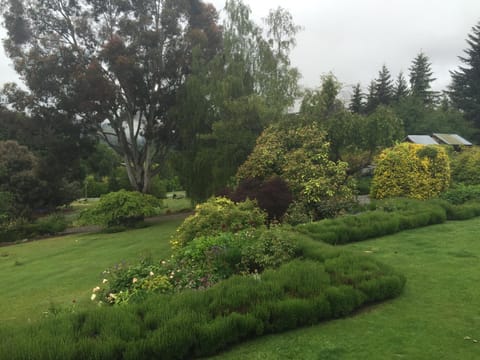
(465, 86)
(115, 67)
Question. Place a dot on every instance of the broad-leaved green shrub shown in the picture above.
(465, 166)
(411, 170)
(218, 215)
(300, 154)
(460, 194)
(121, 208)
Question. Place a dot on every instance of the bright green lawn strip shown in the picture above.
(439, 306)
(59, 270)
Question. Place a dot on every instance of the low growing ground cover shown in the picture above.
(436, 317)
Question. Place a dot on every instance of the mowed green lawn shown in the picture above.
(62, 271)
(430, 320)
(439, 308)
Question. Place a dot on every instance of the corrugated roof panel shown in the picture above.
(452, 139)
(422, 139)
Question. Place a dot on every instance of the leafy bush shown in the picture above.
(272, 195)
(218, 215)
(460, 194)
(199, 264)
(95, 188)
(20, 228)
(299, 154)
(121, 208)
(298, 213)
(465, 165)
(6, 206)
(411, 170)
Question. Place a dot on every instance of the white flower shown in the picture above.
(151, 273)
(134, 280)
(104, 281)
(93, 297)
(95, 289)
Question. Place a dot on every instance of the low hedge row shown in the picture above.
(22, 229)
(324, 284)
(388, 217)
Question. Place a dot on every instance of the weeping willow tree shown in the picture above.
(227, 102)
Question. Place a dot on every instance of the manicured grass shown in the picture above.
(62, 271)
(430, 320)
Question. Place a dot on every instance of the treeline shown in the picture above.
(160, 97)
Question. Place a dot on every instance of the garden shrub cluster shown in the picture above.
(21, 229)
(460, 194)
(193, 324)
(218, 215)
(200, 264)
(411, 170)
(465, 165)
(299, 153)
(122, 208)
(390, 217)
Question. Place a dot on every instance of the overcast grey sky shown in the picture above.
(354, 38)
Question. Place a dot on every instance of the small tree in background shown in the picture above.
(121, 208)
(299, 153)
(411, 170)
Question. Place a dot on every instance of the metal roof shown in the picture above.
(451, 139)
(421, 139)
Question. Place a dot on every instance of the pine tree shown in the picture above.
(465, 87)
(384, 87)
(356, 102)
(400, 90)
(372, 101)
(421, 79)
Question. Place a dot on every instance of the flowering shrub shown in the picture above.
(218, 215)
(121, 208)
(411, 170)
(123, 283)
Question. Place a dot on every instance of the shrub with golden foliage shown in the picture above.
(411, 170)
(299, 154)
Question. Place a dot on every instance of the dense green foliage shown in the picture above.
(386, 217)
(218, 215)
(460, 194)
(464, 90)
(411, 170)
(465, 166)
(299, 154)
(272, 195)
(124, 63)
(121, 208)
(21, 229)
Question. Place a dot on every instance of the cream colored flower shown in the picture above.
(134, 280)
(93, 297)
(95, 289)
(151, 273)
(104, 281)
